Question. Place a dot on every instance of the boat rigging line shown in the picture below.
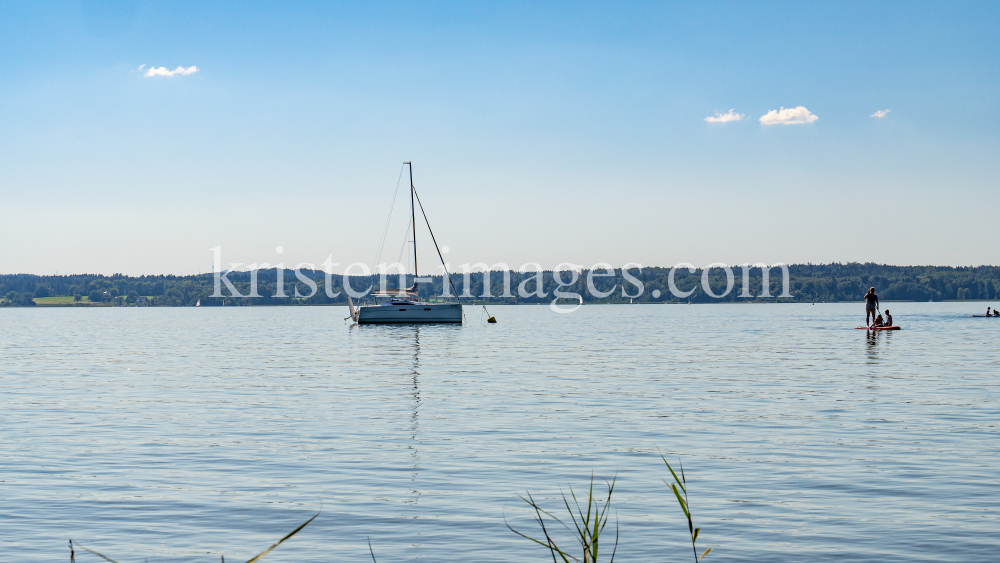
(434, 239)
(385, 231)
(402, 248)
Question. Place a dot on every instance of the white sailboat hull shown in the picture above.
(410, 313)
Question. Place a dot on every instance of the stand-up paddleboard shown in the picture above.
(987, 316)
(877, 328)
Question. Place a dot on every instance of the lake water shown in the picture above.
(183, 434)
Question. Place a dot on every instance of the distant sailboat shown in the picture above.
(198, 304)
(403, 305)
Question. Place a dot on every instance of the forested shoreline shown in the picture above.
(807, 283)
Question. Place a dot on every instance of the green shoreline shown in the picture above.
(806, 283)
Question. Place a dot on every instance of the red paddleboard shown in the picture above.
(877, 328)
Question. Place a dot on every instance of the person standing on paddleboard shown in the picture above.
(871, 305)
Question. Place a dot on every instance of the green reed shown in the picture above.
(589, 524)
(589, 520)
(680, 491)
(253, 560)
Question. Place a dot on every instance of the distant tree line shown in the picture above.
(807, 283)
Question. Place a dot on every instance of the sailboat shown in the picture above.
(403, 306)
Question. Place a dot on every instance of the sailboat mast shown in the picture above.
(413, 222)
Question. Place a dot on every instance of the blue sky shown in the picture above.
(570, 132)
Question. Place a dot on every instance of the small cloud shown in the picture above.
(725, 117)
(140, 66)
(162, 71)
(881, 113)
(789, 116)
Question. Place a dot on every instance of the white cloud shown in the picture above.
(725, 117)
(789, 116)
(162, 71)
(881, 113)
(140, 66)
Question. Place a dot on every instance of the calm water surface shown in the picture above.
(183, 434)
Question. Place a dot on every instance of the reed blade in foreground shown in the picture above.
(588, 524)
(680, 491)
(255, 559)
